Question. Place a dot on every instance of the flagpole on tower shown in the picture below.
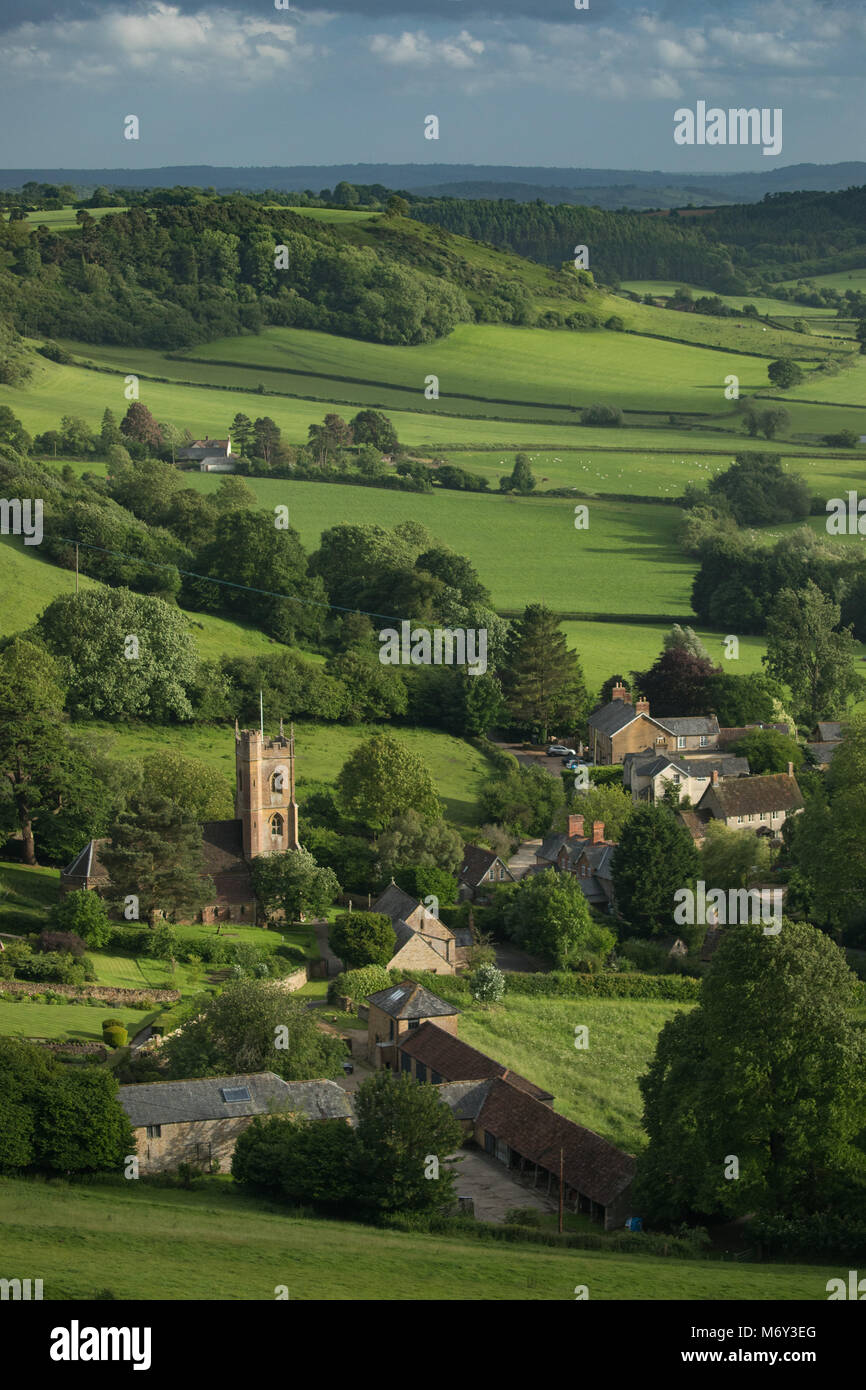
(262, 716)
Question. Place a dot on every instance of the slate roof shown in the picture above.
(829, 731)
(591, 1164)
(476, 863)
(457, 1061)
(177, 1102)
(223, 849)
(465, 1098)
(694, 823)
(744, 796)
(726, 764)
(396, 904)
(823, 752)
(691, 724)
(87, 864)
(612, 717)
(408, 1000)
(403, 933)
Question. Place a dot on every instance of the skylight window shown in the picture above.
(233, 1094)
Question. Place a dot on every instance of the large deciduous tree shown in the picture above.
(548, 915)
(383, 778)
(362, 938)
(654, 858)
(767, 1070)
(293, 883)
(808, 650)
(401, 1127)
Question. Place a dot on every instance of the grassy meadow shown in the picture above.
(215, 1243)
(596, 1087)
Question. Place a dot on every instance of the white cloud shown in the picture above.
(210, 45)
(419, 50)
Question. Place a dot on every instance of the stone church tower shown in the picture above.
(265, 791)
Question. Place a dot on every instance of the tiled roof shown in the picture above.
(591, 1164)
(176, 1102)
(408, 1000)
(824, 752)
(739, 796)
(223, 846)
(829, 731)
(457, 1061)
(731, 735)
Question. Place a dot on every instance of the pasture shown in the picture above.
(217, 1243)
(597, 1086)
(628, 549)
(64, 219)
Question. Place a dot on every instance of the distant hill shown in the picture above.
(605, 187)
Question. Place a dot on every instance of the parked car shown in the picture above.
(572, 763)
(559, 750)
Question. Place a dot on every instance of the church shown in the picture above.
(266, 822)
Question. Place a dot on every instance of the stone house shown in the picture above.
(480, 868)
(431, 1053)
(199, 1121)
(422, 941)
(761, 804)
(209, 455)
(621, 727)
(646, 775)
(265, 822)
(397, 1011)
(588, 858)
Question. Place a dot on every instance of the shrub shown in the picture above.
(356, 984)
(115, 1037)
(111, 1023)
(487, 984)
(61, 941)
(601, 415)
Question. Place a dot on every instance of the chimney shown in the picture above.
(715, 776)
(618, 692)
(790, 769)
(642, 706)
(627, 698)
(575, 827)
(597, 832)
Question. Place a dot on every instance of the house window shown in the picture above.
(405, 1062)
(739, 820)
(414, 1022)
(676, 779)
(681, 740)
(704, 741)
(154, 1131)
(763, 815)
(391, 1029)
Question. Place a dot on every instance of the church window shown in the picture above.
(276, 825)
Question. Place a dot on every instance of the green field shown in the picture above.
(64, 219)
(216, 1244)
(606, 648)
(26, 894)
(596, 1087)
(774, 308)
(626, 561)
(835, 280)
(483, 369)
(66, 1022)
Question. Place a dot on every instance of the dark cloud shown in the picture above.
(419, 12)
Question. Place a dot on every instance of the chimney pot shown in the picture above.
(715, 776)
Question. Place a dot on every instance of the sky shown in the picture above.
(534, 82)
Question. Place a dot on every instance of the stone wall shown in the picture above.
(108, 994)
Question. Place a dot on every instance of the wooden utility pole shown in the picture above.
(560, 1192)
